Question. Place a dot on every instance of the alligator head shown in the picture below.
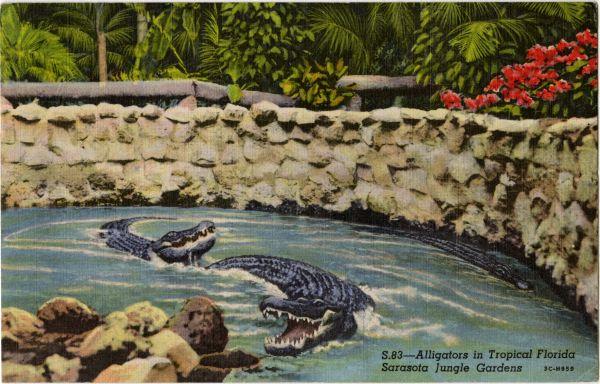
(185, 246)
(310, 322)
(318, 307)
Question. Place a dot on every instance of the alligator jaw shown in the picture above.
(301, 333)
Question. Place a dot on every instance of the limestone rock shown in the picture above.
(145, 319)
(152, 112)
(305, 117)
(106, 110)
(5, 105)
(264, 112)
(160, 127)
(21, 324)
(63, 115)
(60, 369)
(463, 166)
(437, 115)
(131, 114)
(149, 370)
(206, 156)
(231, 154)
(413, 179)
(29, 113)
(205, 115)
(182, 133)
(276, 135)
(300, 136)
(412, 115)
(168, 344)
(111, 339)
(67, 315)
(287, 115)
(178, 114)
(38, 156)
(296, 151)
(319, 154)
(121, 152)
(293, 170)
(392, 115)
(21, 373)
(353, 119)
(233, 113)
(200, 323)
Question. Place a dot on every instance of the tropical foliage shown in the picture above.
(33, 54)
(462, 45)
(315, 85)
(553, 80)
(458, 46)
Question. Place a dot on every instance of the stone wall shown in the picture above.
(530, 183)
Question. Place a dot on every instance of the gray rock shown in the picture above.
(106, 110)
(276, 135)
(62, 115)
(31, 112)
(463, 166)
(264, 112)
(233, 113)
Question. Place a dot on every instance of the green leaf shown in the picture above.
(276, 19)
(577, 95)
(555, 109)
(234, 92)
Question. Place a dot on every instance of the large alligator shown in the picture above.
(319, 306)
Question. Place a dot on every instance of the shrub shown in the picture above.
(315, 87)
(555, 80)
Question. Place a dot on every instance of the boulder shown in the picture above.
(21, 324)
(67, 315)
(205, 156)
(168, 344)
(390, 116)
(300, 136)
(145, 319)
(319, 154)
(110, 343)
(149, 370)
(21, 373)
(60, 369)
(200, 323)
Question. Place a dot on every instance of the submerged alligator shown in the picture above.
(319, 306)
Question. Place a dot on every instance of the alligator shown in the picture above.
(318, 306)
(186, 246)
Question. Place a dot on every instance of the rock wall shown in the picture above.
(530, 183)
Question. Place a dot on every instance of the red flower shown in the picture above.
(546, 95)
(562, 86)
(594, 82)
(492, 98)
(471, 104)
(562, 45)
(586, 38)
(591, 66)
(495, 84)
(451, 100)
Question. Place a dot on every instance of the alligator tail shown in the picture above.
(117, 236)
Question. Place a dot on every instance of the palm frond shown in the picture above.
(570, 12)
(476, 40)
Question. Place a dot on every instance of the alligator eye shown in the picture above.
(211, 229)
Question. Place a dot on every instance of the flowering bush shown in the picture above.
(561, 77)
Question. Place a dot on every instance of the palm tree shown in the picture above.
(28, 53)
(354, 31)
(100, 35)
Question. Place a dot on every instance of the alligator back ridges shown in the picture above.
(473, 255)
(297, 279)
(117, 236)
